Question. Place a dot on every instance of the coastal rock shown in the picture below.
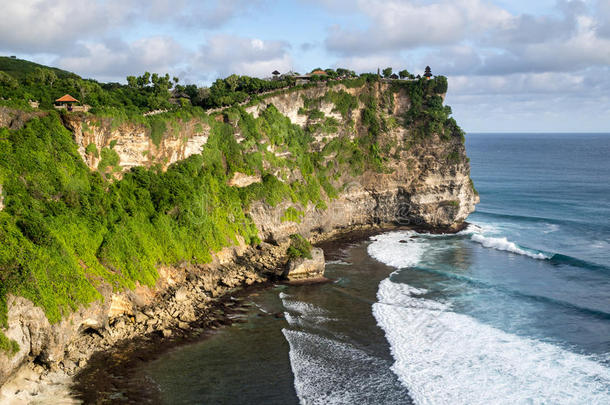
(306, 269)
(243, 180)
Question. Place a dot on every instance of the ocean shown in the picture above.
(515, 309)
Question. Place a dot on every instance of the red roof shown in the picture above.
(318, 72)
(67, 98)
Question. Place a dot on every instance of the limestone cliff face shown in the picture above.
(425, 184)
(133, 142)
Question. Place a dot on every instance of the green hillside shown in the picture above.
(20, 68)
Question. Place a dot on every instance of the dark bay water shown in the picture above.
(515, 309)
(325, 334)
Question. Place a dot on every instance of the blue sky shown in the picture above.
(539, 65)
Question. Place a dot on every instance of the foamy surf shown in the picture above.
(391, 249)
(448, 358)
(504, 244)
(327, 371)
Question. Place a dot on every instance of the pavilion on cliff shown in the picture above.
(65, 102)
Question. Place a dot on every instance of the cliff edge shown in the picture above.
(102, 217)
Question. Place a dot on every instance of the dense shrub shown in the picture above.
(299, 247)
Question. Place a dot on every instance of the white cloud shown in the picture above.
(114, 60)
(227, 54)
(44, 26)
(477, 37)
(403, 25)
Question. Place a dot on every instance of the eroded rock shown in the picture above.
(306, 269)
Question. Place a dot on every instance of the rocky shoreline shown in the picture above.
(198, 300)
(114, 376)
(208, 298)
(205, 299)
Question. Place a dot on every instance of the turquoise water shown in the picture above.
(515, 309)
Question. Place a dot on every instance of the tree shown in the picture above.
(331, 73)
(344, 72)
(387, 72)
(403, 74)
(132, 81)
(440, 85)
(144, 80)
(232, 81)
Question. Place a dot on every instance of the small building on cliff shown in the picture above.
(428, 73)
(69, 103)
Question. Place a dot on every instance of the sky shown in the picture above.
(513, 65)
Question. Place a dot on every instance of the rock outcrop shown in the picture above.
(12, 118)
(302, 268)
(133, 143)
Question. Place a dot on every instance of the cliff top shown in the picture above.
(23, 82)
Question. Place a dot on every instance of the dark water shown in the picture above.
(516, 309)
(325, 334)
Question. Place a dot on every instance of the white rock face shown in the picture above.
(1, 199)
(133, 142)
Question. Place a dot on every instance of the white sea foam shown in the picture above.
(449, 358)
(506, 245)
(388, 249)
(303, 308)
(551, 228)
(313, 321)
(327, 371)
(338, 262)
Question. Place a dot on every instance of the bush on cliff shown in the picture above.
(299, 247)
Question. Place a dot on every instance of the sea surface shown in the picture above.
(513, 310)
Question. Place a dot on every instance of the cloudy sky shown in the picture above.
(513, 65)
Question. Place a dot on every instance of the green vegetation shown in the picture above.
(91, 150)
(20, 69)
(158, 128)
(8, 346)
(65, 230)
(299, 247)
(453, 156)
(343, 101)
(292, 215)
(472, 186)
(110, 158)
(427, 115)
(21, 81)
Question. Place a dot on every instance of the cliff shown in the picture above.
(235, 184)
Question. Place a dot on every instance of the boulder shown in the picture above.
(306, 269)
